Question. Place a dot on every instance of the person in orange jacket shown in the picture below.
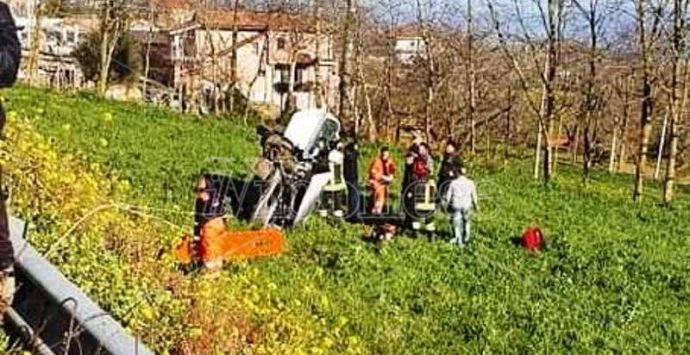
(209, 224)
(381, 173)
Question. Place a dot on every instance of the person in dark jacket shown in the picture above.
(351, 175)
(407, 188)
(449, 164)
(10, 55)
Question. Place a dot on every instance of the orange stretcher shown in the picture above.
(217, 244)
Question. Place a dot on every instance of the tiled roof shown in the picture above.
(410, 30)
(253, 20)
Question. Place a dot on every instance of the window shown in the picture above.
(281, 43)
(299, 76)
(283, 72)
(71, 37)
(54, 37)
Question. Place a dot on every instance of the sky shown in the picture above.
(453, 12)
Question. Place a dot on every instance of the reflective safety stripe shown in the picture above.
(428, 204)
(337, 183)
(425, 206)
(335, 187)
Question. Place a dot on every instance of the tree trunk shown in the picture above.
(105, 39)
(537, 152)
(677, 104)
(612, 155)
(645, 134)
(646, 102)
(372, 133)
(624, 125)
(430, 73)
(471, 80)
(508, 124)
(346, 64)
(233, 56)
(555, 149)
(554, 12)
(318, 95)
(662, 145)
(35, 49)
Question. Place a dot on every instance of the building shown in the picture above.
(58, 38)
(409, 43)
(276, 55)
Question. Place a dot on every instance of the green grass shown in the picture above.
(615, 277)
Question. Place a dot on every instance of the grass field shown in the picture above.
(615, 277)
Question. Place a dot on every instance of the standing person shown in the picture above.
(10, 55)
(423, 163)
(408, 189)
(424, 191)
(381, 173)
(333, 196)
(461, 199)
(209, 224)
(449, 165)
(351, 174)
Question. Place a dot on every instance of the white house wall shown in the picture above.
(253, 69)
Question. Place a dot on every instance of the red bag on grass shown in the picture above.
(533, 239)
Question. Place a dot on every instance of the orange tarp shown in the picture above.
(218, 244)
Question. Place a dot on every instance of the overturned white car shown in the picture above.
(293, 169)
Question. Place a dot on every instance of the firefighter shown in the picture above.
(333, 196)
(423, 189)
(10, 55)
(381, 173)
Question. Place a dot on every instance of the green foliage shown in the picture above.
(614, 278)
(126, 63)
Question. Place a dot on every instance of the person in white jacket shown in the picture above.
(461, 200)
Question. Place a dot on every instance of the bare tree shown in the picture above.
(594, 18)
(678, 92)
(41, 9)
(471, 80)
(149, 38)
(551, 18)
(233, 55)
(622, 93)
(646, 39)
(429, 60)
(115, 19)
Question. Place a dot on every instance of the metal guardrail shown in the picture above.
(55, 315)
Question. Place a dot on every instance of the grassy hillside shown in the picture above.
(615, 277)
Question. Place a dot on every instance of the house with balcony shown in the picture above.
(279, 57)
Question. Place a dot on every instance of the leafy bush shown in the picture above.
(126, 63)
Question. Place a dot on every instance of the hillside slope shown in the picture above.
(615, 277)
